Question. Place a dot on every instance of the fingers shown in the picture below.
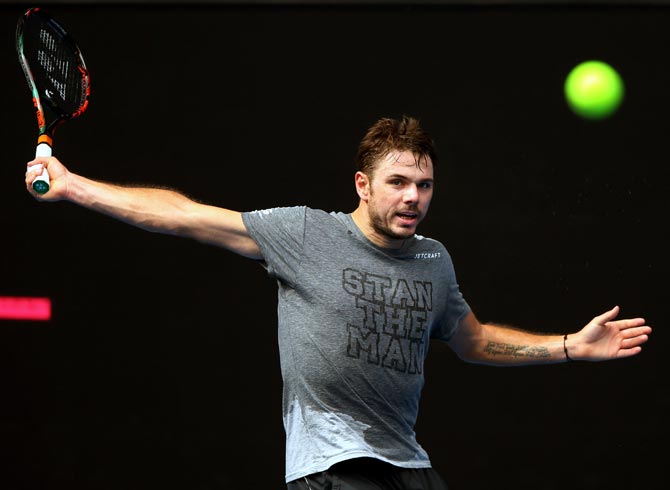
(634, 333)
(607, 319)
(41, 171)
(35, 169)
(607, 316)
(633, 351)
(628, 323)
(634, 341)
(43, 161)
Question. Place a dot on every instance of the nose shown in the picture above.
(411, 194)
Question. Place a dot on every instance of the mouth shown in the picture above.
(408, 217)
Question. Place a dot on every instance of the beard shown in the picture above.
(380, 227)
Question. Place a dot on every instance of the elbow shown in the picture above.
(468, 356)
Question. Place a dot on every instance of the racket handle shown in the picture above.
(41, 183)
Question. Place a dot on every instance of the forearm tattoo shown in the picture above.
(501, 349)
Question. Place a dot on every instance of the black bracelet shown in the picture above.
(565, 349)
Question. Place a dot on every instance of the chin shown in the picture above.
(404, 233)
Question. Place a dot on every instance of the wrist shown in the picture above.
(566, 349)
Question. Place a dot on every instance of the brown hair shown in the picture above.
(387, 135)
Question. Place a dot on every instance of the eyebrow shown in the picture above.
(404, 177)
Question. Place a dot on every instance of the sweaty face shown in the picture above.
(398, 197)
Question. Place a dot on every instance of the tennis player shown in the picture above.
(361, 294)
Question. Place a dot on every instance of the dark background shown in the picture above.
(160, 370)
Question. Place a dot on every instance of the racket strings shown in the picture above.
(52, 61)
(58, 70)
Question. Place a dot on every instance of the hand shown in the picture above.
(58, 175)
(606, 338)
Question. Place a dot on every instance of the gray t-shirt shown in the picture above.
(354, 327)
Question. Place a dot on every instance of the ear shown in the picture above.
(362, 185)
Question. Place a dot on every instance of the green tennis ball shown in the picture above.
(594, 90)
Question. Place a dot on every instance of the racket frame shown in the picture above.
(49, 116)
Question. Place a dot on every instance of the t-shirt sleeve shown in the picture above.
(279, 233)
(456, 308)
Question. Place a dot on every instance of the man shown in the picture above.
(360, 297)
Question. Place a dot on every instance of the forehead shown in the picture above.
(404, 163)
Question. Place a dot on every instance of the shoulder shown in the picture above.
(275, 211)
(421, 242)
(293, 217)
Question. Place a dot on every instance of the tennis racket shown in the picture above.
(56, 75)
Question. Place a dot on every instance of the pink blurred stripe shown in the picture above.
(25, 308)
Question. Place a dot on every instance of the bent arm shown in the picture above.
(152, 209)
(601, 339)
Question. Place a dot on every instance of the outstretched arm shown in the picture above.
(601, 339)
(157, 210)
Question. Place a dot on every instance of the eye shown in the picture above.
(396, 182)
(426, 185)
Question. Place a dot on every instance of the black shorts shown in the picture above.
(370, 474)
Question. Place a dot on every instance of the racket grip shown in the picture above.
(41, 183)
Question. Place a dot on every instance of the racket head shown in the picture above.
(55, 71)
